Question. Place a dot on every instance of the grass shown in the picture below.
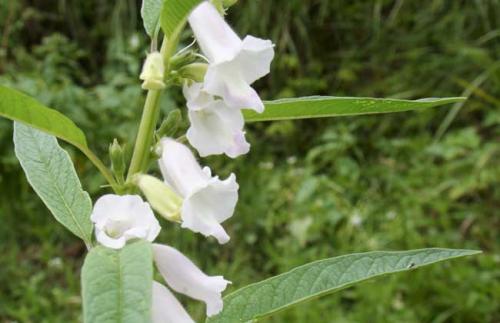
(309, 189)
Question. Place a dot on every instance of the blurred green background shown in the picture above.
(309, 189)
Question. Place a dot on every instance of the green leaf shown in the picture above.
(116, 284)
(17, 106)
(150, 13)
(52, 175)
(175, 13)
(329, 106)
(323, 277)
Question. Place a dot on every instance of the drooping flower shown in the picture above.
(215, 128)
(183, 276)
(234, 64)
(121, 218)
(208, 201)
(166, 308)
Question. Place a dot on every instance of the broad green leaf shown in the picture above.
(323, 277)
(150, 13)
(174, 14)
(50, 172)
(116, 284)
(329, 106)
(17, 106)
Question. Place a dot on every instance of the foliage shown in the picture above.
(126, 274)
(50, 172)
(375, 182)
(323, 277)
(327, 106)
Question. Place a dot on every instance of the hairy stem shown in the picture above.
(150, 115)
(102, 168)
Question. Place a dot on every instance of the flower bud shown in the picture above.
(184, 57)
(153, 72)
(117, 159)
(160, 196)
(195, 71)
(170, 125)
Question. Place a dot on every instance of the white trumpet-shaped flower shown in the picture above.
(121, 218)
(207, 201)
(234, 64)
(183, 276)
(166, 308)
(215, 128)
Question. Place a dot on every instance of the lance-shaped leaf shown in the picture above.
(323, 277)
(52, 175)
(117, 284)
(17, 106)
(150, 13)
(329, 106)
(175, 13)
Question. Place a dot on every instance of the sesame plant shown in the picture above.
(119, 229)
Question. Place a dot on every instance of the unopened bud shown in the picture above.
(169, 126)
(183, 58)
(153, 72)
(160, 196)
(195, 71)
(117, 159)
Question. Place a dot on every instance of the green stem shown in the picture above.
(101, 167)
(145, 134)
(150, 114)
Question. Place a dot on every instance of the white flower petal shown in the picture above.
(183, 276)
(208, 201)
(196, 98)
(234, 64)
(217, 129)
(166, 308)
(216, 38)
(179, 167)
(206, 208)
(224, 81)
(109, 242)
(121, 218)
(255, 58)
